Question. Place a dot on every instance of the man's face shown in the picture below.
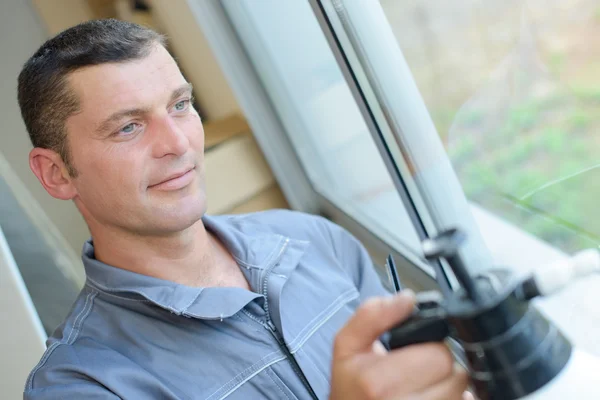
(137, 146)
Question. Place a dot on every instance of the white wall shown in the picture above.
(21, 33)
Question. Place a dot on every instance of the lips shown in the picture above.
(176, 180)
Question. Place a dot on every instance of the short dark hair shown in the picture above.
(43, 93)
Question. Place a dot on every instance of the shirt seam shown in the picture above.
(192, 301)
(267, 259)
(93, 285)
(315, 367)
(321, 318)
(79, 319)
(331, 238)
(236, 387)
(104, 289)
(277, 385)
(247, 374)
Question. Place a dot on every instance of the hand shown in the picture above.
(364, 370)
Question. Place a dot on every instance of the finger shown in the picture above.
(378, 348)
(468, 396)
(409, 369)
(370, 321)
(452, 388)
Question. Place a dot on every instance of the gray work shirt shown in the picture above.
(133, 336)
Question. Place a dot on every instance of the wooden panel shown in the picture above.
(266, 200)
(186, 40)
(235, 172)
(217, 131)
(59, 15)
(103, 8)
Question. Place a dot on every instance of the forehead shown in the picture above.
(107, 88)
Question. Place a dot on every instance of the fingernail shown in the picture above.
(371, 302)
(406, 294)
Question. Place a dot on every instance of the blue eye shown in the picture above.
(129, 128)
(181, 105)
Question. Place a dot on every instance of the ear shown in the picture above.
(49, 168)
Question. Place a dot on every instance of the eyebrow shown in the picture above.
(186, 88)
(134, 112)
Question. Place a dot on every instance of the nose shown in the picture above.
(169, 138)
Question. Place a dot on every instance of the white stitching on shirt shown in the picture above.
(268, 258)
(278, 386)
(192, 302)
(253, 366)
(327, 383)
(82, 315)
(53, 347)
(92, 286)
(41, 364)
(236, 387)
(245, 264)
(323, 316)
(251, 371)
(104, 289)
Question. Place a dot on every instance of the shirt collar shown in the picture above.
(254, 250)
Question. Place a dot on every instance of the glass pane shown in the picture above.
(308, 91)
(514, 90)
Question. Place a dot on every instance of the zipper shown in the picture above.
(269, 269)
(290, 356)
(273, 329)
(268, 325)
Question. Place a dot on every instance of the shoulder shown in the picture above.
(54, 367)
(61, 355)
(320, 231)
(71, 370)
(294, 224)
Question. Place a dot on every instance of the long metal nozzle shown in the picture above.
(446, 246)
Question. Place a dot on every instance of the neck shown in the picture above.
(193, 257)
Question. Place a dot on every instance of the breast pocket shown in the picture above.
(265, 385)
(313, 346)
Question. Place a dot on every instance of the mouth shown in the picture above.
(176, 181)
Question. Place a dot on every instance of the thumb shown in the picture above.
(370, 321)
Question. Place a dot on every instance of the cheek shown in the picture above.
(195, 131)
(114, 170)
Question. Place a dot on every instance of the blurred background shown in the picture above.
(514, 90)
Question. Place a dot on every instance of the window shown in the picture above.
(323, 122)
(514, 91)
(517, 135)
(484, 110)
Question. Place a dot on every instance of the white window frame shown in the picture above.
(388, 84)
(279, 152)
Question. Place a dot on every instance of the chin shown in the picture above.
(170, 224)
(182, 224)
(183, 214)
(176, 211)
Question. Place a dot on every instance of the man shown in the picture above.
(178, 304)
